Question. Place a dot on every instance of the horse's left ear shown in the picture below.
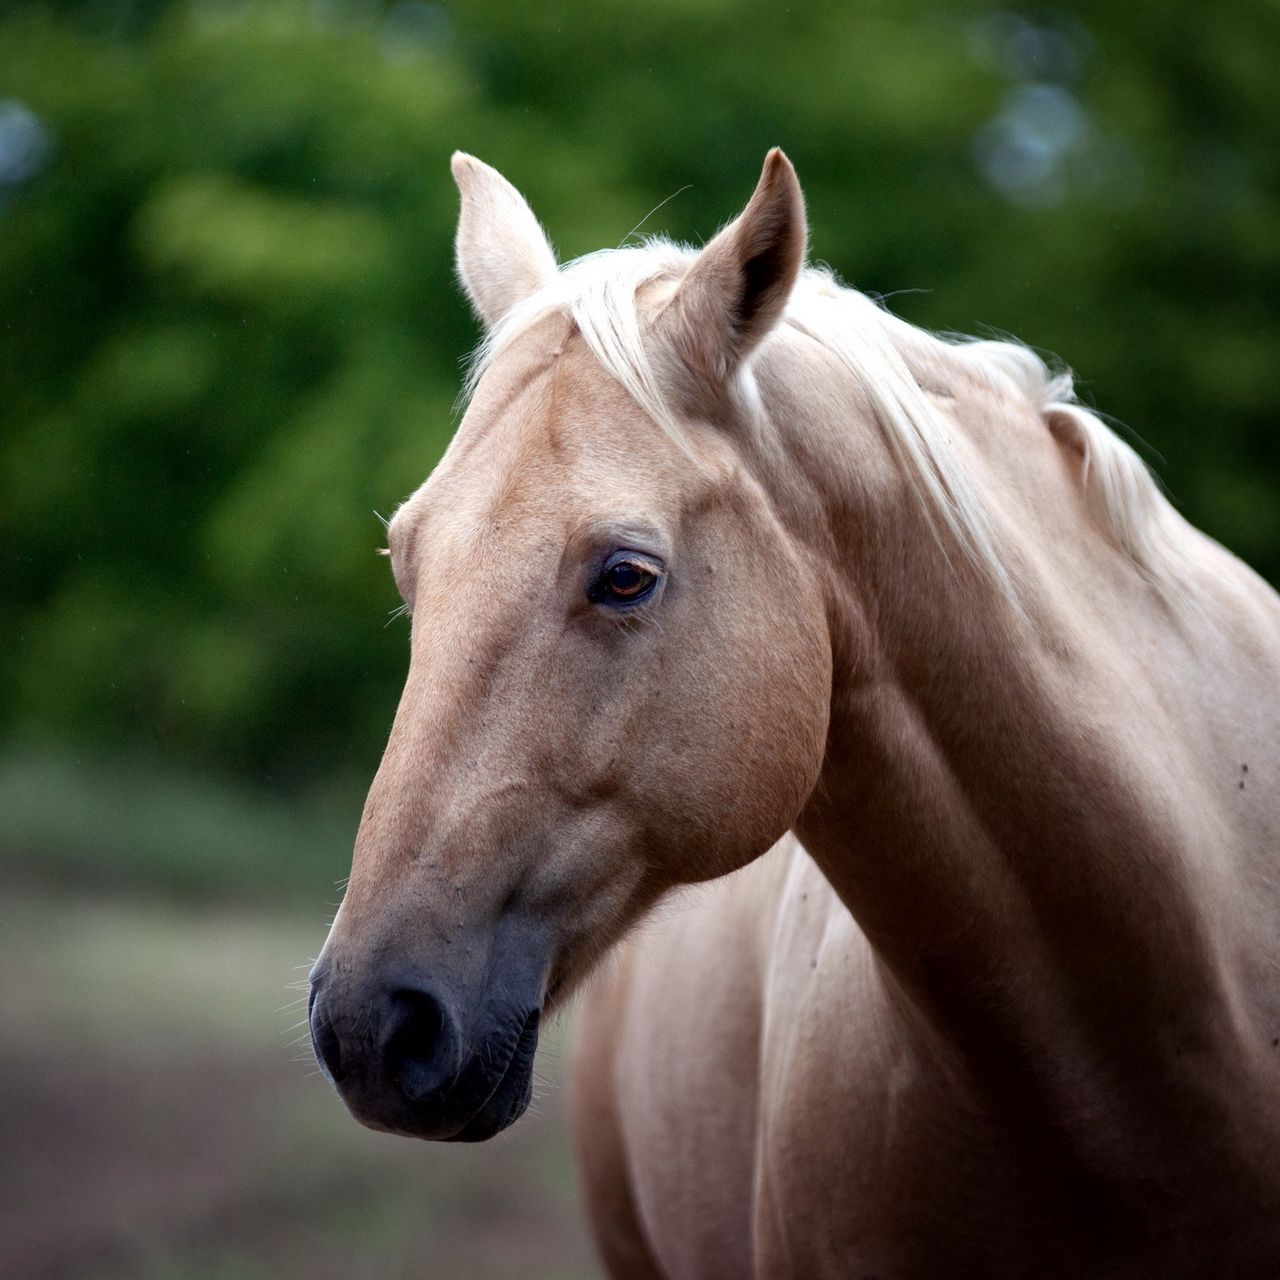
(503, 255)
(738, 286)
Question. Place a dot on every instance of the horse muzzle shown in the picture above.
(405, 1060)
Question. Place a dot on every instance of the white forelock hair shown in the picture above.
(599, 292)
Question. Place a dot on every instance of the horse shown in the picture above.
(936, 751)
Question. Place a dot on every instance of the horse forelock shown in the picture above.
(602, 294)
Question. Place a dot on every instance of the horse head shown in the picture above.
(620, 666)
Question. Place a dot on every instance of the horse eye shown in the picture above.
(623, 581)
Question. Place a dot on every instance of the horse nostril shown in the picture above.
(324, 1040)
(418, 1047)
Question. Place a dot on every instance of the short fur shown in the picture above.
(1005, 1001)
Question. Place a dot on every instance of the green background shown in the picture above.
(230, 335)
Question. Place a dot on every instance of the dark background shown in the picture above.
(229, 336)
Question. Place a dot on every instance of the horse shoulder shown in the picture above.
(667, 1045)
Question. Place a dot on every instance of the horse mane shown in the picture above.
(600, 294)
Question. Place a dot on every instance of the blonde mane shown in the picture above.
(600, 293)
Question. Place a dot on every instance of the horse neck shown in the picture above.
(1007, 843)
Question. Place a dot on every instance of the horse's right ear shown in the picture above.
(503, 255)
(738, 286)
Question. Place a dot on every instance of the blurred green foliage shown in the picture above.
(230, 332)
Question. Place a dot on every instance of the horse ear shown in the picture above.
(738, 286)
(503, 255)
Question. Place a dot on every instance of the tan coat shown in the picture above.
(721, 552)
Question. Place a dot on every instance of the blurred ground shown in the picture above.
(162, 1122)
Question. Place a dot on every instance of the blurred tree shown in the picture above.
(231, 334)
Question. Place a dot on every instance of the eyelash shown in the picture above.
(603, 592)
